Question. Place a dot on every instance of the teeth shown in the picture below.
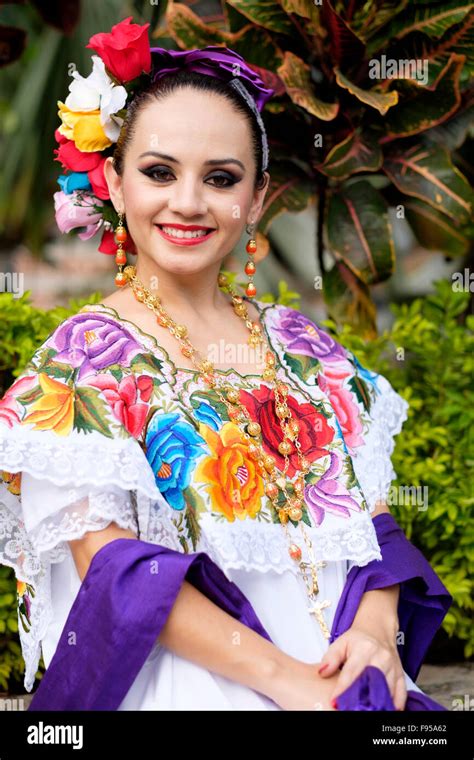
(182, 234)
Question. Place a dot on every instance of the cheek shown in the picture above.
(139, 201)
(231, 211)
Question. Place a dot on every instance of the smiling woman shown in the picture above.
(195, 532)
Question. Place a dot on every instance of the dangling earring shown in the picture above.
(120, 256)
(250, 268)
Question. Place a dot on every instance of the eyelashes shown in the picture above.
(162, 171)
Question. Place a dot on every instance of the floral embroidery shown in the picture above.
(93, 373)
(25, 593)
(234, 484)
(329, 495)
(12, 481)
(314, 434)
(172, 445)
(318, 360)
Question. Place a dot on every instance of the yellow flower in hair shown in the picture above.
(84, 128)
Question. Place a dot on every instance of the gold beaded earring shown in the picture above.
(250, 268)
(120, 255)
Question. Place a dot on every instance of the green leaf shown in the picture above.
(374, 98)
(359, 231)
(434, 230)
(296, 77)
(146, 362)
(303, 366)
(90, 411)
(424, 107)
(290, 189)
(356, 153)
(268, 14)
(428, 174)
(431, 19)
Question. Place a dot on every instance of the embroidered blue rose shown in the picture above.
(172, 445)
(207, 414)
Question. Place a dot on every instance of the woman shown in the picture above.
(254, 481)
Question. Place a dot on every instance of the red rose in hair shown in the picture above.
(73, 159)
(97, 179)
(125, 50)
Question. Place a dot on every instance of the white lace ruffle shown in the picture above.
(372, 461)
(257, 545)
(77, 458)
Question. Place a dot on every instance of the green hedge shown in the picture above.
(428, 356)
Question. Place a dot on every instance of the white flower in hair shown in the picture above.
(97, 91)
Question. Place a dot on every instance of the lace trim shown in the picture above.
(77, 459)
(31, 554)
(252, 545)
(372, 461)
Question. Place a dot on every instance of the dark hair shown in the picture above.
(179, 80)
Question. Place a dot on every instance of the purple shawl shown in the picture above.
(131, 586)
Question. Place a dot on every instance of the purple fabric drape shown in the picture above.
(131, 586)
(424, 600)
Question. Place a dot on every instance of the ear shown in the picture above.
(114, 183)
(258, 198)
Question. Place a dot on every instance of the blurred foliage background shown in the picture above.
(361, 159)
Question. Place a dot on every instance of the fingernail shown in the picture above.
(323, 667)
(334, 703)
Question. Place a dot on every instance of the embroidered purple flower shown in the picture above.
(329, 495)
(93, 342)
(301, 336)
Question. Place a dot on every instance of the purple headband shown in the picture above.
(222, 63)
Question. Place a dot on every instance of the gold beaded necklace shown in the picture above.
(274, 480)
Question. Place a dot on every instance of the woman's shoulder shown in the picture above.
(89, 374)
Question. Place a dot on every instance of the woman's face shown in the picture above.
(203, 177)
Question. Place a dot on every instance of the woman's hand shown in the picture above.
(298, 686)
(357, 648)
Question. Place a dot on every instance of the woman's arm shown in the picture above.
(377, 611)
(370, 640)
(200, 631)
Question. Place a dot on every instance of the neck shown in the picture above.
(185, 296)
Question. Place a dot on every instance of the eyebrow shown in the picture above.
(211, 162)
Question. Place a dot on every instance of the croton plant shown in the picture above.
(354, 129)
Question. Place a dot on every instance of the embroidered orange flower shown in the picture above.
(234, 484)
(12, 481)
(55, 409)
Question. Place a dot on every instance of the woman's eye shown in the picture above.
(227, 179)
(151, 172)
(160, 175)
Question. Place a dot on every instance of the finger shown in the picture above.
(400, 695)
(347, 677)
(334, 657)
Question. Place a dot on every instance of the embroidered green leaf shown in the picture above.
(359, 387)
(116, 370)
(349, 472)
(211, 398)
(312, 477)
(303, 366)
(145, 362)
(90, 411)
(195, 505)
(42, 356)
(32, 395)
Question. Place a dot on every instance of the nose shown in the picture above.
(187, 197)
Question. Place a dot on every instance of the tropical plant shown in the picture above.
(350, 132)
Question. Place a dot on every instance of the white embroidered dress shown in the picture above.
(102, 427)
